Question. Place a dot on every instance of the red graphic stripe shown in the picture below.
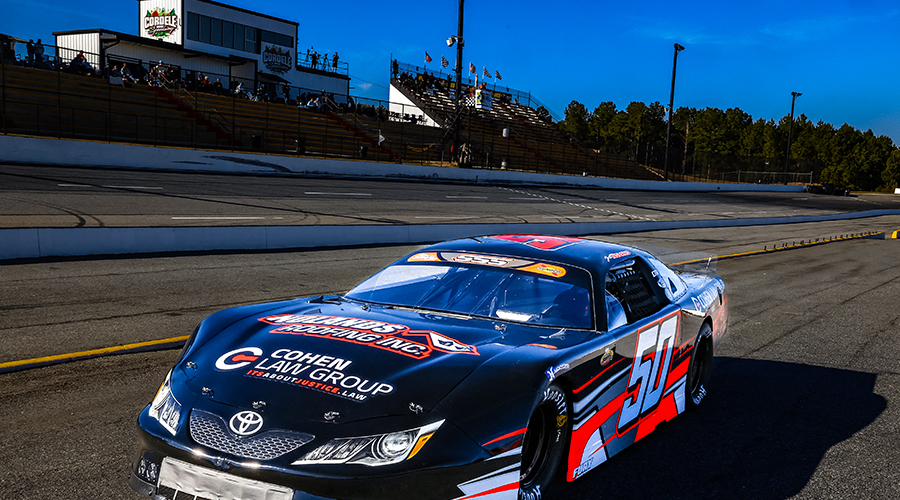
(667, 410)
(676, 373)
(582, 435)
(498, 489)
(589, 382)
(511, 434)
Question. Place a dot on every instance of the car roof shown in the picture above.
(588, 254)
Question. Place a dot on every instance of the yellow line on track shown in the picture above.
(61, 358)
(776, 249)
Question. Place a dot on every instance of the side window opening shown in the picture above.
(627, 283)
(669, 280)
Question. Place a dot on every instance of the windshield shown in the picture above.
(505, 294)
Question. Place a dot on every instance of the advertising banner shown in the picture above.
(277, 59)
(483, 100)
(162, 20)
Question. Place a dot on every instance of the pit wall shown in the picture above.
(39, 151)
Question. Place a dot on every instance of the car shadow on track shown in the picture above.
(760, 433)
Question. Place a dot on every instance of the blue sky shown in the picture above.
(841, 54)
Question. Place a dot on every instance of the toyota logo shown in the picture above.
(246, 423)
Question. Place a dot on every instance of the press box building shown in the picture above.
(219, 40)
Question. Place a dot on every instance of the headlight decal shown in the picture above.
(374, 451)
(419, 444)
(165, 408)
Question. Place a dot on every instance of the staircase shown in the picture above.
(360, 134)
(198, 116)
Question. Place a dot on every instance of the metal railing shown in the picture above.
(511, 95)
(322, 62)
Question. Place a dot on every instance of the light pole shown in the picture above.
(458, 40)
(678, 48)
(787, 156)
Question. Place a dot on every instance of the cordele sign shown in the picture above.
(161, 19)
(160, 23)
(276, 59)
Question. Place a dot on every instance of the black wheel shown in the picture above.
(700, 367)
(543, 448)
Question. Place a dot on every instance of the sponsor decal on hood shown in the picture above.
(399, 339)
(314, 371)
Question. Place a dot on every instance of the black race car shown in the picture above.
(485, 368)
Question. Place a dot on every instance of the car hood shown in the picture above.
(312, 357)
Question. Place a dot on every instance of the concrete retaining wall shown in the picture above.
(99, 155)
(74, 242)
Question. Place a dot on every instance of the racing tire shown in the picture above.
(700, 368)
(544, 444)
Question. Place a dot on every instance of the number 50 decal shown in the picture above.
(652, 359)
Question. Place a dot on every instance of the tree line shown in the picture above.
(712, 143)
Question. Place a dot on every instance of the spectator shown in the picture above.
(126, 74)
(80, 65)
(29, 48)
(115, 76)
(7, 50)
(314, 60)
(325, 61)
(170, 75)
(39, 52)
(286, 90)
(334, 62)
(260, 93)
(155, 79)
(312, 104)
(395, 69)
(218, 89)
(239, 91)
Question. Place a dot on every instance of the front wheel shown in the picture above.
(543, 448)
(700, 367)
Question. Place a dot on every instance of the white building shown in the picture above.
(221, 41)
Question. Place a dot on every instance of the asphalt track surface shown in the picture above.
(33, 197)
(803, 402)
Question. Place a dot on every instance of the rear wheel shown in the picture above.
(700, 368)
(543, 448)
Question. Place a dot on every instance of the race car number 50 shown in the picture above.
(649, 370)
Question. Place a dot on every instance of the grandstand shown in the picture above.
(505, 129)
(515, 133)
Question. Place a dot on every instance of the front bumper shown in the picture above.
(183, 480)
(322, 483)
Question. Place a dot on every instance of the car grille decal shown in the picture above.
(212, 431)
